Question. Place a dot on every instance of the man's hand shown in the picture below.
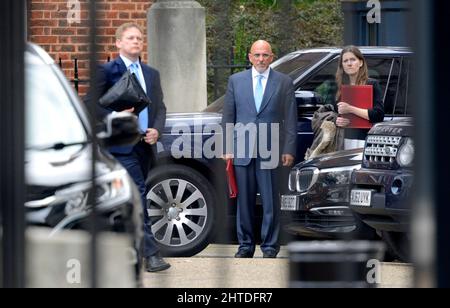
(287, 159)
(227, 156)
(151, 137)
(342, 122)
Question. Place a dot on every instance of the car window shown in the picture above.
(385, 70)
(216, 106)
(323, 82)
(380, 68)
(50, 115)
(296, 64)
(402, 108)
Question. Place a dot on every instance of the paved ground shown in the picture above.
(216, 267)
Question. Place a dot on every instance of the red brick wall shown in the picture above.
(48, 26)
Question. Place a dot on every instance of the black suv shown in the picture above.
(381, 189)
(187, 190)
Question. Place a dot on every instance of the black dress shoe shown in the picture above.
(155, 263)
(243, 254)
(270, 254)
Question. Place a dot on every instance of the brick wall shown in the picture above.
(57, 28)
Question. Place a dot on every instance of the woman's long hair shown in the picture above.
(342, 78)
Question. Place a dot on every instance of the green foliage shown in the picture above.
(233, 25)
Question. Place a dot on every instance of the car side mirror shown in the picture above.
(308, 98)
(120, 129)
(307, 101)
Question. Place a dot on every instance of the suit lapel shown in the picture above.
(269, 91)
(248, 84)
(147, 77)
(120, 65)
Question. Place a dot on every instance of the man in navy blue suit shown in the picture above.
(261, 108)
(136, 159)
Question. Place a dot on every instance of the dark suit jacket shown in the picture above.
(278, 107)
(109, 73)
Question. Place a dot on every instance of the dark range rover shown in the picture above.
(187, 191)
(381, 189)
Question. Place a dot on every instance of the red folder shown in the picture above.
(361, 97)
(232, 185)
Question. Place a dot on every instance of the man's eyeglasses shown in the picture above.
(264, 55)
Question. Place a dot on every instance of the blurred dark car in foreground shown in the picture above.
(187, 195)
(382, 189)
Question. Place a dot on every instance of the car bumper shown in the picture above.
(389, 208)
(318, 218)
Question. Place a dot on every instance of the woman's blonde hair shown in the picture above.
(342, 78)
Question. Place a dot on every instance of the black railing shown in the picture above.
(217, 78)
(76, 76)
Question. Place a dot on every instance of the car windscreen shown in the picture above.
(51, 118)
(295, 64)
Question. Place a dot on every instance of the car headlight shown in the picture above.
(292, 180)
(337, 176)
(113, 189)
(405, 155)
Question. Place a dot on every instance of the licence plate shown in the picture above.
(361, 197)
(289, 202)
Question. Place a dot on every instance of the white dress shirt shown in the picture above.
(128, 63)
(265, 74)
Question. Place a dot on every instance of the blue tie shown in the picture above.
(143, 115)
(259, 92)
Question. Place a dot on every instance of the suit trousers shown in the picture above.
(250, 180)
(137, 163)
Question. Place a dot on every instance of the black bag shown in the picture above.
(125, 94)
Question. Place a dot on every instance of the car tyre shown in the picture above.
(180, 203)
(398, 245)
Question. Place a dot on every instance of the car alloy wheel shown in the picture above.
(185, 208)
(179, 204)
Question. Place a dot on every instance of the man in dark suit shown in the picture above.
(260, 102)
(136, 159)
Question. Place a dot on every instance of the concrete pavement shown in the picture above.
(216, 267)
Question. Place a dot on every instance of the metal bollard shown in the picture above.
(335, 264)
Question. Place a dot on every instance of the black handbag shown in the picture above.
(125, 94)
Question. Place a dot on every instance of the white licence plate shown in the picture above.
(289, 202)
(360, 197)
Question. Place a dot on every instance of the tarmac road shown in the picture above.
(216, 267)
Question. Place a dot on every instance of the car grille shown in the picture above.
(317, 222)
(300, 180)
(382, 149)
(306, 178)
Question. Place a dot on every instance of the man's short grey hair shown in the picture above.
(124, 27)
